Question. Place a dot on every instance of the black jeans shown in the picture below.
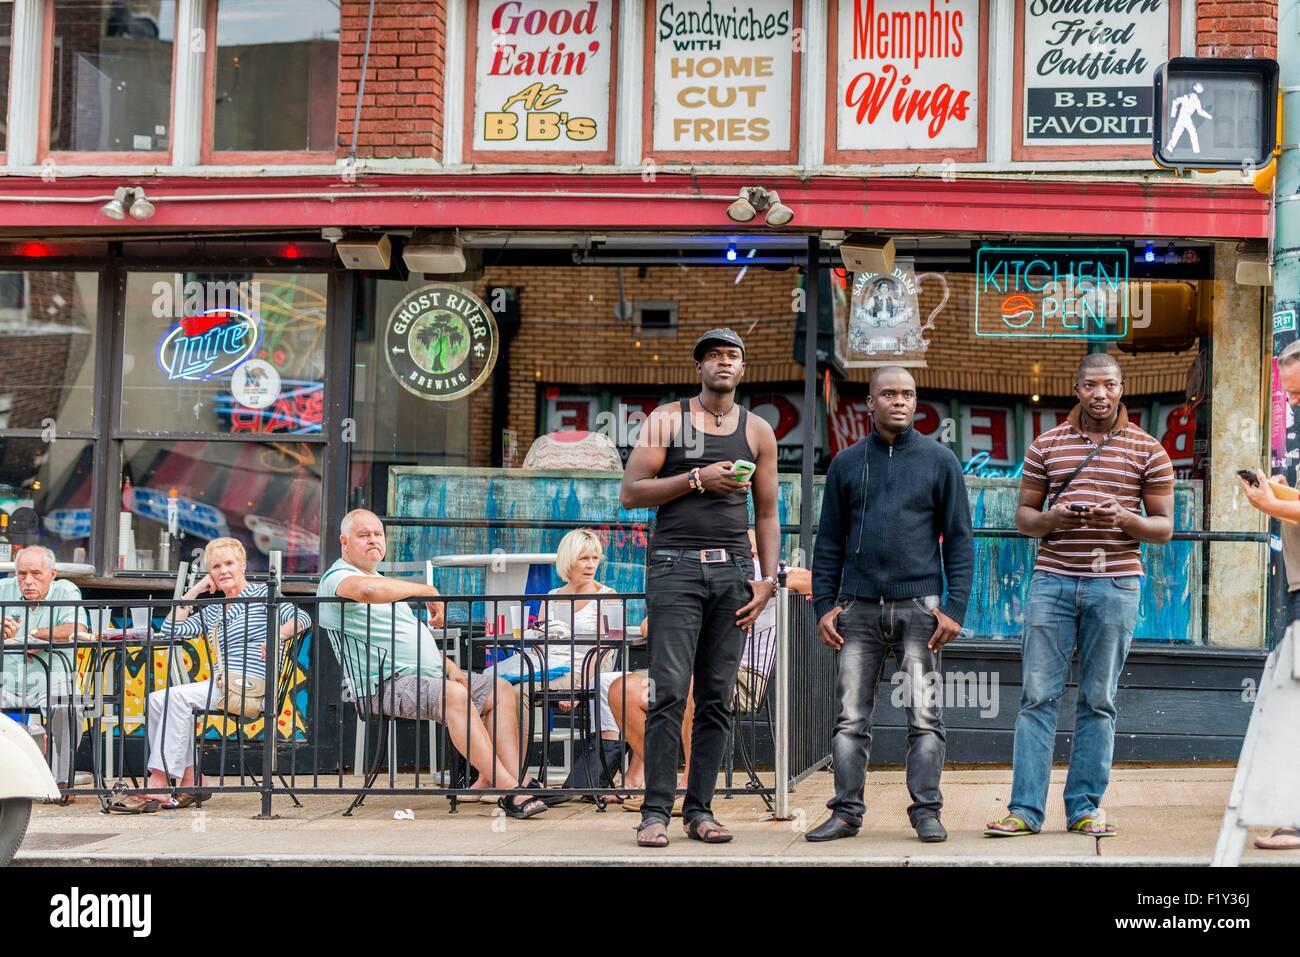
(871, 630)
(693, 633)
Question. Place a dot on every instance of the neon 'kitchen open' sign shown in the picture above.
(208, 344)
(1046, 293)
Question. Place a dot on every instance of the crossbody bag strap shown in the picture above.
(1075, 474)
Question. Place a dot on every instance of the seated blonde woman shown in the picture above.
(238, 634)
(578, 559)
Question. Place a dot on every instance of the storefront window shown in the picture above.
(276, 75)
(47, 349)
(112, 75)
(576, 376)
(228, 353)
(182, 495)
(397, 426)
(46, 490)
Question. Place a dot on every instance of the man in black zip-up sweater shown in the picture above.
(894, 524)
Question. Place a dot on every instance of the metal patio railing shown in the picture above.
(331, 734)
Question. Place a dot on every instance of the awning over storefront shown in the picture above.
(1095, 207)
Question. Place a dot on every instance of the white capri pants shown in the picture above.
(171, 745)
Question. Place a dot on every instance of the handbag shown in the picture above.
(588, 771)
(241, 694)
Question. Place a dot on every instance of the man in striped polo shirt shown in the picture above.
(1095, 473)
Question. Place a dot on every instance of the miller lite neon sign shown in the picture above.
(208, 344)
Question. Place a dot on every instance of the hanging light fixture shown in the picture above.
(754, 200)
(128, 201)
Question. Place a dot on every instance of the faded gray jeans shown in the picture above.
(871, 630)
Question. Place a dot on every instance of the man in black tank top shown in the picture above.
(699, 597)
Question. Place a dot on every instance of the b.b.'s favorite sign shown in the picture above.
(542, 76)
(909, 75)
(1087, 70)
(724, 76)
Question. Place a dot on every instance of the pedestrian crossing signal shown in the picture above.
(1215, 113)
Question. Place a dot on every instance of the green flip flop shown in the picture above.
(1012, 825)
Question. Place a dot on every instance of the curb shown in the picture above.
(80, 859)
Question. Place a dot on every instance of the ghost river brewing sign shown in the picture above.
(441, 342)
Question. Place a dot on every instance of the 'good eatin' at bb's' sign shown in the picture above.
(543, 74)
(1029, 293)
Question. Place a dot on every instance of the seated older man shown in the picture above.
(43, 679)
(394, 656)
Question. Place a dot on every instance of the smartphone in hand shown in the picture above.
(741, 470)
(1250, 476)
(1079, 507)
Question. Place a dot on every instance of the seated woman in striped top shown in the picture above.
(238, 633)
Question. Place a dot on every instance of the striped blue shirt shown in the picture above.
(238, 629)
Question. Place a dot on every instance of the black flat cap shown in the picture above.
(724, 336)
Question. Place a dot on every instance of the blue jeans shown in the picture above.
(1096, 615)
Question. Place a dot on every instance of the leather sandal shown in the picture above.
(706, 829)
(530, 807)
(652, 834)
(135, 804)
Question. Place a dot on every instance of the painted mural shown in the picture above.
(195, 663)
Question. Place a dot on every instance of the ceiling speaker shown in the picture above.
(865, 253)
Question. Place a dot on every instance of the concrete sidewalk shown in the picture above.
(1164, 816)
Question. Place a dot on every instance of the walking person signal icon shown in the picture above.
(1189, 93)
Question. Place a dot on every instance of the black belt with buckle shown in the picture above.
(705, 556)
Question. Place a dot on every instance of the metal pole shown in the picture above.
(781, 701)
(809, 398)
(271, 698)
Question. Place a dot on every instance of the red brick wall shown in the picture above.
(1240, 28)
(402, 112)
(569, 337)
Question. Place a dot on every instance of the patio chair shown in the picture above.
(581, 693)
(203, 745)
(367, 715)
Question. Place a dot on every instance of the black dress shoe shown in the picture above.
(831, 830)
(930, 831)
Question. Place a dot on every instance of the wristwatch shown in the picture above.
(771, 579)
(693, 477)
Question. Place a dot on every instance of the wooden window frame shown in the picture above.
(92, 157)
(209, 155)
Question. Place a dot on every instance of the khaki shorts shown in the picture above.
(413, 698)
(751, 689)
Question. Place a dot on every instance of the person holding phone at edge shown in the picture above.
(699, 598)
(1260, 491)
(1095, 472)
